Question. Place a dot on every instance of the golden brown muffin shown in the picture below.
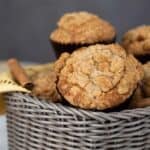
(61, 62)
(44, 80)
(99, 76)
(81, 28)
(137, 41)
(146, 80)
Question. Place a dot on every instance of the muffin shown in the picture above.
(44, 79)
(137, 42)
(98, 76)
(146, 80)
(79, 29)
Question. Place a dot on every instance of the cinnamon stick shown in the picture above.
(19, 74)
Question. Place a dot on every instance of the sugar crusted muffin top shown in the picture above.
(137, 40)
(82, 28)
(98, 77)
(44, 79)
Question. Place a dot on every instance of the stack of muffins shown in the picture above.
(79, 29)
(92, 71)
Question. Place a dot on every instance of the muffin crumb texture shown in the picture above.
(99, 76)
(45, 80)
(137, 40)
(82, 28)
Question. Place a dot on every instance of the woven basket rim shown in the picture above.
(127, 114)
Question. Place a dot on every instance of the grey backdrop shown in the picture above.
(26, 24)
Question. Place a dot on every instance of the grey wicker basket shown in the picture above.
(35, 124)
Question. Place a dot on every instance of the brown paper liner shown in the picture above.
(143, 58)
(60, 48)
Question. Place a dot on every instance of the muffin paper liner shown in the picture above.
(62, 47)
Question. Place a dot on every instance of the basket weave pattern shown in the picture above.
(38, 125)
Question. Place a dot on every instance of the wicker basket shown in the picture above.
(35, 124)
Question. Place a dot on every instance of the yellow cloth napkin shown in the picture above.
(8, 85)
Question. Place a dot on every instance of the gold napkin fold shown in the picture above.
(8, 85)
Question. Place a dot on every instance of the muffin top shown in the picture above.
(44, 79)
(98, 77)
(82, 28)
(137, 40)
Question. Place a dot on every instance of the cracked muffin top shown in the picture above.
(98, 76)
(137, 40)
(82, 28)
(44, 79)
